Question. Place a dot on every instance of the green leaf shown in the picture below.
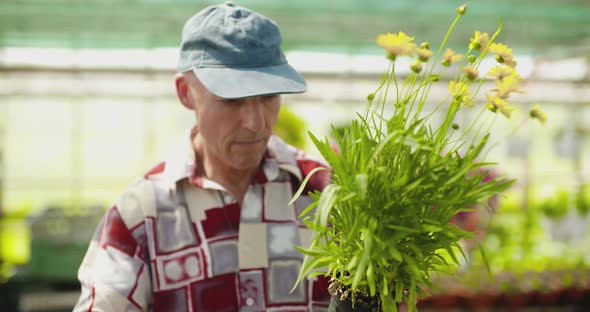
(360, 270)
(431, 228)
(485, 260)
(399, 290)
(385, 286)
(308, 266)
(310, 252)
(362, 180)
(388, 304)
(395, 253)
(452, 254)
(371, 280)
(308, 209)
(326, 203)
(353, 263)
(304, 183)
(401, 228)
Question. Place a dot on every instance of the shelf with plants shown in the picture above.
(529, 266)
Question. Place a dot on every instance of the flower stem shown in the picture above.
(389, 78)
(444, 42)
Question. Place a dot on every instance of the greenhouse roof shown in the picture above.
(545, 28)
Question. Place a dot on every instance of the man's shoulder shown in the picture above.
(294, 159)
(138, 200)
(286, 153)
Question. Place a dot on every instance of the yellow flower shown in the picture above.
(506, 110)
(510, 62)
(470, 72)
(397, 44)
(450, 57)
(503, 54)
(496, 104)
(537, 113)
(501, 71)
(479, 41)
(501, 50)
(459, 89)
(506, 86)
(424, 54)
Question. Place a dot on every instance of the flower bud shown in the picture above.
(462, 9)
(425, 45)
(472, 59)
(446, 63)
(371, 96)
(455, 126)
(537, 113)
(470, 72)
(416, 66)
(424, 54)
(435, 78)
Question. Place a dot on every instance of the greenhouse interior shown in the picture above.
(88, 105)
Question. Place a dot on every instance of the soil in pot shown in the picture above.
(337, 305)
(343, 301)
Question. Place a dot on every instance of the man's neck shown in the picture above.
(235, 181)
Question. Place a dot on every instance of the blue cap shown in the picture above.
(236, 53)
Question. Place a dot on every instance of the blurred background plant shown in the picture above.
(291, 128)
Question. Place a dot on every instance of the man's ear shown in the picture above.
(183, 91)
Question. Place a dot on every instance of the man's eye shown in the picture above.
(232, 101)
(270, 97)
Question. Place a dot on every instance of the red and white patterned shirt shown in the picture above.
(176, 241)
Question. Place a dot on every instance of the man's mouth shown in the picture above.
(250, 142)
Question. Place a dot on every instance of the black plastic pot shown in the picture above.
(336, 305)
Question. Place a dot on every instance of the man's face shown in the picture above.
(234, 132)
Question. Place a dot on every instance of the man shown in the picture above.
(210, 229)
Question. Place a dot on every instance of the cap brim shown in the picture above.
(235, 83)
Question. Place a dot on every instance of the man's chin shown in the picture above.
(247, 162)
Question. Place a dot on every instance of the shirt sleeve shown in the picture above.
(114, 274)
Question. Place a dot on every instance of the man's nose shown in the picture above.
(252, 112)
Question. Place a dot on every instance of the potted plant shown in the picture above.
(382, 226)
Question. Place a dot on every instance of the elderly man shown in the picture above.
(210, 229)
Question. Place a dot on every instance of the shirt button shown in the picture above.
(250, 301)
(228, 198)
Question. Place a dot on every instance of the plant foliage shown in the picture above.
(382, 225)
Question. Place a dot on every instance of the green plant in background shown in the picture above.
(556, 207)
(15, 241)
(382, 224)
(290, 128)
(583, 200)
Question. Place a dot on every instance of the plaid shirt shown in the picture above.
(176, 241)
